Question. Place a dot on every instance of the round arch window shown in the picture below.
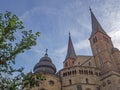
(51, 82)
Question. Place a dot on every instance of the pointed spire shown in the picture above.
(70, 51)
(95, 24)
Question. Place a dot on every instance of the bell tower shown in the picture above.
(101, 45)
(71, 55)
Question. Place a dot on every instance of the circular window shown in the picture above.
(51, 82)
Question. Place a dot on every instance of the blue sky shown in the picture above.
(55, 19)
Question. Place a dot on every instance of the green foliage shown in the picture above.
(32, 80)
(13, 41)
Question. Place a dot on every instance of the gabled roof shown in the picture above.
(70, 52)
(96, 27)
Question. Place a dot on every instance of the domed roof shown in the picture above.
(45, 65)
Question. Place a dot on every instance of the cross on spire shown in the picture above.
(46, 52)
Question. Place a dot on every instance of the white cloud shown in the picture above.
(112, 20)
(81, 44)
(115, 35)
(61, 51)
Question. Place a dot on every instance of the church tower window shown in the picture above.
(95, 39)
(100, 60)
(97, 48)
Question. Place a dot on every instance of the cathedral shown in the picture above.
(101, 71)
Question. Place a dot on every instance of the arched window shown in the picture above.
(89, 63)
(85, 72)
(100, 60)
(72, 62)
(51, 82)
(75, 71)
(78, 63)
(86, 80)
(72, 72)
(68, 73)
(96, 73)
(97, 48)
(95, 39)
(70, 82)
(99, 74)
(91, 72)
(65, 74)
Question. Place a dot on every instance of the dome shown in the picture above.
(45, 65)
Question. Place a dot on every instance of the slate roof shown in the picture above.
(96, 27)
(70, 51)
(45, 65)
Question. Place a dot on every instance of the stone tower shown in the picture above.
(101, 46)
(71, 56)
(102, 49)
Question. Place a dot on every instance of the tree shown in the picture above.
(12, 45)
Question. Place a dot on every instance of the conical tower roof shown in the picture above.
(96, 27)
(70, 51)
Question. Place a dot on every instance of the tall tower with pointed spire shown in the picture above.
(71, 55)
(101, 46)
